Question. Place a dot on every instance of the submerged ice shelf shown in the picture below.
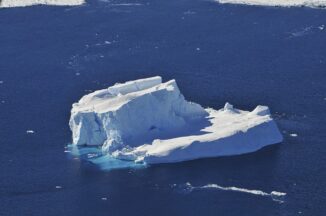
(150, 121)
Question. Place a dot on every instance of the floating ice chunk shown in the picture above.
(30, 132)
(276, 193)
(58, 187)
(282, 3)
(148, 121)
(24, 3)
(261, 110)
(293, 135)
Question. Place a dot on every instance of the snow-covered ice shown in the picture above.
(149, 121)
(282, 3)
(24, 3)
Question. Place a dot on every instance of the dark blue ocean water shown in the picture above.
(51, 56)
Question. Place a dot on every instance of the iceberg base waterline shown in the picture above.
(149, 121)
(25, 3)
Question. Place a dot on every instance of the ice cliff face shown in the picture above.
(132, 113)
(147, 120)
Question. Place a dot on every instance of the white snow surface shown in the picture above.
(150, 121)
(282, 3)
(24, 3)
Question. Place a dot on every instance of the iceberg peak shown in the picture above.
(228, 106)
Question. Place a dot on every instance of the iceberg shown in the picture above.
(280, 3)
(24, 3)
(149, 121)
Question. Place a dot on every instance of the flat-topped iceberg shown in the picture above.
(150, 121)
(24, 3)
(281, 3)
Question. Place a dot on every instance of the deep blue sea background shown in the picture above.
(51, 56)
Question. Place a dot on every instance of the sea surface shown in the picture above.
(246, 55)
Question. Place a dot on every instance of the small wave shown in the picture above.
(275, 195)
(307, 31)
(121, 4)
(302, 32)
(127, 4)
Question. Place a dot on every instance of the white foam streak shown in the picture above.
(275, 195)
(282, 3)
(255, 192)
